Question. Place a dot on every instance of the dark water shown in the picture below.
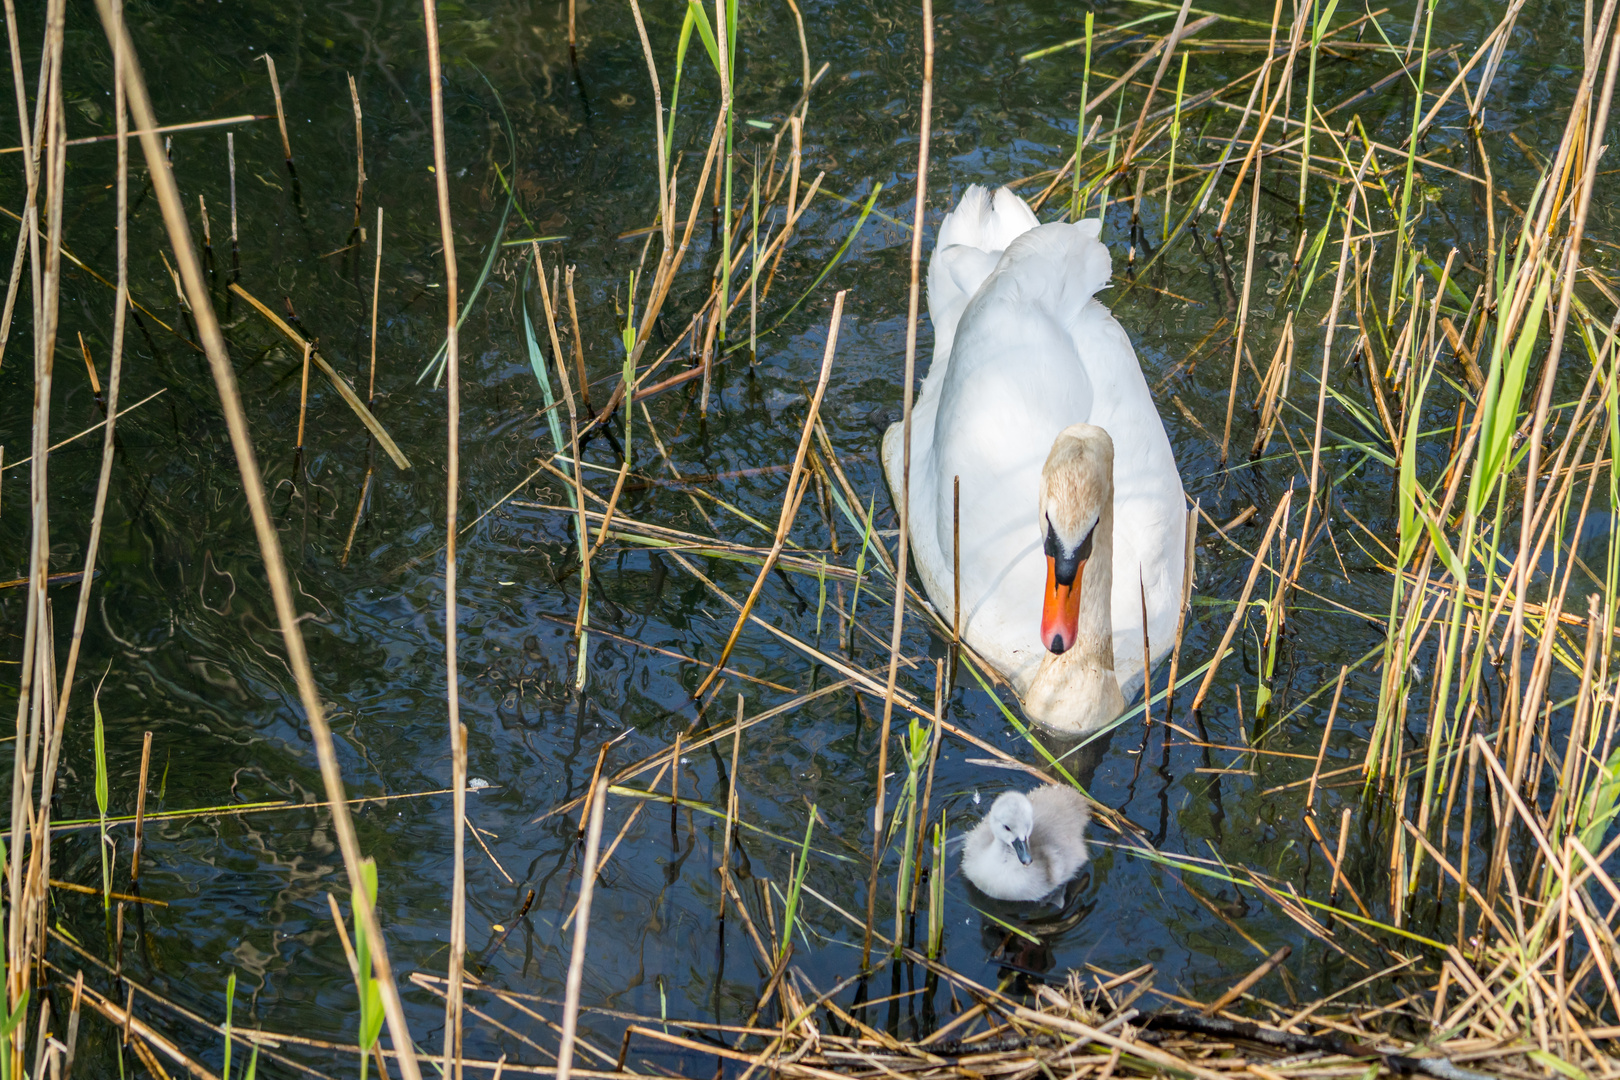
(182, 625)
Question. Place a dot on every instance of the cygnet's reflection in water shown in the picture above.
(1022, 939)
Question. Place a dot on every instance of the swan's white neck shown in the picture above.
(1076, 691)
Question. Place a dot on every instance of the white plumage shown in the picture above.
(1023, 351)
(1048, 824)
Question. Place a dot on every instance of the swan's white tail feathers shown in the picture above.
(966, 251)
(985, 220)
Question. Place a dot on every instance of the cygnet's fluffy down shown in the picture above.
(1028, 846)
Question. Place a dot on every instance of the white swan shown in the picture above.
(1028, 846)
(1069, 488)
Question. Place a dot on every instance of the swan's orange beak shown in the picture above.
(1060, 615)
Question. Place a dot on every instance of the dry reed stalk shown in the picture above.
(1243, 310)
(791, 497)
(1327, 348)
(576, 959)
(230, 156)
(140, 808)
(30, 170)
(376, 288)
(1153, 87)
(1327, 732)
(359, 156)
(579, 341)
(303, 395)
(281, 114)
(1561, 319)
(339, 383)
(458, 734)
(37, 733)
(1278, 516)
(114, 382)
(163, 184)
(731, 806)
(925, 134)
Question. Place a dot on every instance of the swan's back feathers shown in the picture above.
(1054, 270)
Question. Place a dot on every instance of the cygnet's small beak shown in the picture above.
(1060, 614)
(1021, 849)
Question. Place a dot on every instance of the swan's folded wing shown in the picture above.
(966, 250)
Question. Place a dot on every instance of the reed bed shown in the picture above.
(1477, 903)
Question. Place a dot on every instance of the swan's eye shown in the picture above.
(1083, 552)
(1066, 565)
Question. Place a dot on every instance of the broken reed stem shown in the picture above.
(359, 154)
(281, 114)
(140, 808)
(376, 285)
(1327, 732)
(230, 157)
(452, 492)
(303, 394)
(791, 497)
(1243, 310)
(912, 305)
(1327, 351)
(576, 960)
(213, 342)
(579, 342)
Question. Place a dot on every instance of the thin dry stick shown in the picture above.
(924, 134)
(114, 381)
(580, 528)
(1153, 88)
(339, 383)
(731, 803)
(281, 115)
(376, 284)
(1338, 856)
(1266, 967)
(303, 394)
(230, 156)
(1277, 518)
(458, 771)
(1243, 310)
(28, 171)
(665, 210)
(1327, 730)
(579, 345)
(576, 961)
(1191, 552)
(140, 808)
(790, 500)
(1327, 347)
(168, 195)
(359, 155)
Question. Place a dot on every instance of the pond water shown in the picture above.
(182, 628)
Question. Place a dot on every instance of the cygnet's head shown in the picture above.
(1011, 818)
(1077, 483)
